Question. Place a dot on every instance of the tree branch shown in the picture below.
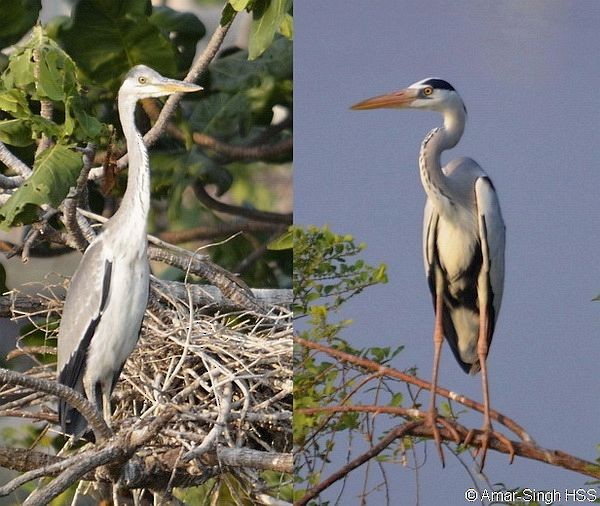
(75, 399)
(375, 450)
(526, 450)
(413, 380)
(252, 214)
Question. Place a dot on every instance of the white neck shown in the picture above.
(136, 200)
(438, 140)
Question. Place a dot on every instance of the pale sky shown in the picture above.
(528, 73)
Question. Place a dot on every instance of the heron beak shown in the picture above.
(173, 86)
(394, 100)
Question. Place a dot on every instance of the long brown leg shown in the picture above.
(438, 339)
(482, 351)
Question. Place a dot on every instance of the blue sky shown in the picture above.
(528, 73)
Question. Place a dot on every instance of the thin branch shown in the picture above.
(216, 231)
(407, 378)
(77, 197)
(236, 152)
(14, 163)
(375, 450)
(75, 399)
(252, 214)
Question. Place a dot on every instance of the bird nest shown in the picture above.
(227, 376)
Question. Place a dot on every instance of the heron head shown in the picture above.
(144, 82)
(431, 93)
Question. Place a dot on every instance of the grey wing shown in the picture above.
(85, 301)
(492, 233)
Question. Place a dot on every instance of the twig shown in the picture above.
(217, 230)
(77, 197)
(375, 450)
(220, 424)
(46, 106)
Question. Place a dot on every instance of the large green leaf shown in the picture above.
(16, 19)
(16, 132)
(184, 29)
(267, 16)
(107, 38)
(15, 103)
(222, 114)
(57, 72)
(234, 72)
(179, 169)
(55, 171)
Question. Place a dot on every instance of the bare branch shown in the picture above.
(14, 163)
(375, 450)
(217, 230)
(75, 399)
(244, 457)
(252, 214)
(236, 152)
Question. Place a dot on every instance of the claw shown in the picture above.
(432, 421)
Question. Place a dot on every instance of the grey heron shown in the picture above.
(108, 293)
(463, 239)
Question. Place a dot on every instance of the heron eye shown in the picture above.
(427, 91)
(142, 80)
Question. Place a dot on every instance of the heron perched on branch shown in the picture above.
(463, 240)
(108, 293)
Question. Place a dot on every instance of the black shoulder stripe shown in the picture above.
(105, 285)
(72, 373)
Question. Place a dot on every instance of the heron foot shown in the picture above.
(486, 432)
(431, 420)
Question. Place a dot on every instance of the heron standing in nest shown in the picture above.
(108, 294)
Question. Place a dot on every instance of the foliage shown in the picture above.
(76, 64)
(322, 270)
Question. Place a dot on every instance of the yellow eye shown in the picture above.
(142, 80)
(427, 91)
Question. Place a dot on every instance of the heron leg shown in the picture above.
(438, 339)
(106, 411)
(482, 352)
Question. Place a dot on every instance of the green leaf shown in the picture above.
(222, 114)
(18, 16)
(285, 241)
(16, 132)
(239, 5)
(267, 16)
(14, 102)
(55, 171)
(234, 72)
(107, 38)
(173, 170)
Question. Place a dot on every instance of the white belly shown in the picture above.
(456, 244)
(118, 330)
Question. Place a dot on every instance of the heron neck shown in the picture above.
(136, 200)
(434, 181)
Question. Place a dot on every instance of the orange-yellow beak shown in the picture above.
(394, 100)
